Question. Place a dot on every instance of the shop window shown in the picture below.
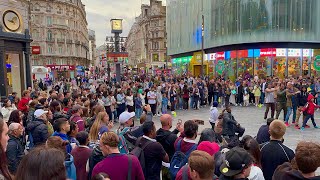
(245, 67)
(279, 67)
(262, 67)
(13, 70)
(294, 66)
(155, 57)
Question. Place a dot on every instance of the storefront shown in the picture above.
(62, 71)
(15, 69)
(267, 62)
(180, 66)
(40, 72)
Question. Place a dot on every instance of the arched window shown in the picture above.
(36, 7)
(49, 35)
(48, 9)
(59, 10)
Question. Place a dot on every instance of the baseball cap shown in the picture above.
(215, 104)
(235, 161)
(125, 116)
(39, 112)
(210, 147)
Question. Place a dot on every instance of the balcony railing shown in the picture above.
(69, 41)
(60, 26)
(78, 42)
(60, 40)
(50, 40)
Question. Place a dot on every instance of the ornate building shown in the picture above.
(92, 46)
(146, 43)
(59, 30)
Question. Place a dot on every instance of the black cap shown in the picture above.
(235, 161)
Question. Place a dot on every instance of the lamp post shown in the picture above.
(202, 45)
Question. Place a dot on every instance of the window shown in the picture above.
(67, 22)
(49, 20)
(155, 57)
(59, 10)
(165, 45)
(50, 49)
(35, 34)
(146, 12)
(36, 7)
(48, 9)
(49, 35)
(60, 49)
(157, 34)
(49, 61)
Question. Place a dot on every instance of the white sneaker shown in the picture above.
(158, 115)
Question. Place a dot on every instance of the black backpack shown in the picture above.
(138, 151)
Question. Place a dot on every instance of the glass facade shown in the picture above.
(229, 22)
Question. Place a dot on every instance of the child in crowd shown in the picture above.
(309, 110)
(138, 105)
(164, 103)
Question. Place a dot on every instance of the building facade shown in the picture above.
(146, 42)
(59, 30)
(92, 46)
(15, 70)
(245, 38)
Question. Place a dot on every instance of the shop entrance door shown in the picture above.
(13, 71)
(197, 70)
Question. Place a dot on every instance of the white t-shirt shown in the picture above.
(256, 173)
(152, 94)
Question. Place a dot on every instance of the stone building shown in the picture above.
(92, 46)
(146, 43)
(59, 30)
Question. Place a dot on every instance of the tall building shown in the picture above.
(15, 70)
(146, 42)
(245, 38)
(59, 31)
(92, 46)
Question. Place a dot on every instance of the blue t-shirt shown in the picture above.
(102, 130)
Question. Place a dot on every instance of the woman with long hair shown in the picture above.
(15, 117)
(4, 172)
(58, 143)
(100, 126)
(252, 147)
(42, 163)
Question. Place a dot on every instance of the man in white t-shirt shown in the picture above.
(152, 100)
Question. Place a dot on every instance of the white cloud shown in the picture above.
(99, 13)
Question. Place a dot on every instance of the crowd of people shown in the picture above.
(92, 129)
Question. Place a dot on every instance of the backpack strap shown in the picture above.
(129, 167)
(194, 147)
(179, 145)
(185, 172)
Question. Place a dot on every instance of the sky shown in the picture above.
(99, 13)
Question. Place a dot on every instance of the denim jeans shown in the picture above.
(215, 98)
(138, 112)
(318, 99)
(289, 111)
(115, 115)
(164, 108)
(308, 116)
(191, 101)
(262, 98)
(180, 106)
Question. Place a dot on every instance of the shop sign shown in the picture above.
(316, 63)
(220, 67)
(211, 57)
(281, 52)
(307, 52)
(294, 52)
(268, 52)
(219, 56)
(62, 67)
(36, 49)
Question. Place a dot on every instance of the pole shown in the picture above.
(202, 47)
(117, 49)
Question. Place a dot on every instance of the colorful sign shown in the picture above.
(62, 67)
(268, 52)
(219, 56)
(316, 63)
(36, 49)
(220, 67)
